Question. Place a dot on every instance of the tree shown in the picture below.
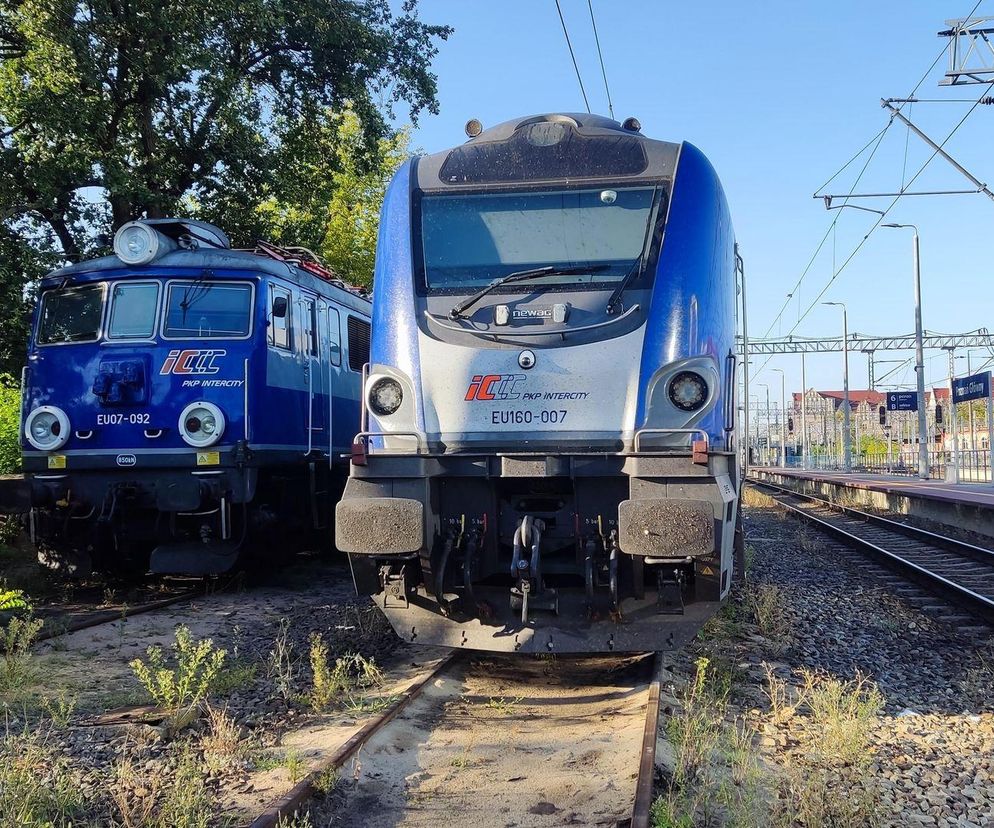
(353, 215)
(115, 109)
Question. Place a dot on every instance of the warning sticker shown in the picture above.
(208, 458)
(56, 461)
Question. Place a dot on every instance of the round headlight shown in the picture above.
(688, 391)
(136, 243)
(47, 428)
(201, 424)
(385, 396)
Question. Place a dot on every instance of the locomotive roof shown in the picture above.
(214, 259)
(590, 147)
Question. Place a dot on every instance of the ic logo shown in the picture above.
(127, 460)
(192, 362)
(488, 387)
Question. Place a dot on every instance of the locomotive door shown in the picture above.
(312, 353)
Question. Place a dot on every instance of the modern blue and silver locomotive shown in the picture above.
(184, 403)
(548, 457)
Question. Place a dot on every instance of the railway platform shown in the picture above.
(966, 506)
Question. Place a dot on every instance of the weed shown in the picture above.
(61, 708)
(295, 765)
(845, 711)
(502, 704)
(326, 781)
(298, 820)
(237, 676)
(16, 638)
(37, 786)
(153, 799)
(768, 609)
(780, 696)
(281, 666)
(339, 684)
(222, 745)
(805, 797)
(190, 681)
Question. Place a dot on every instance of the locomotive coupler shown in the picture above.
(530, 591)
(669, 591)
(397, 584)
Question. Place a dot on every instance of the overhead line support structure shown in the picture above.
(856, 341)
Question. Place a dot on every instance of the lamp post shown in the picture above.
(767, 452)
(783, 417)
(919, 355)
(804, 415)
(846, 436)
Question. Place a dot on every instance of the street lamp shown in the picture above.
(919, 356)
(846, 436)
(764, 385)
(783, 418)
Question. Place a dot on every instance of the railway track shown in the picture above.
(959, 572)
(525, 740)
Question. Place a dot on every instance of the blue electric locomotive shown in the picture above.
(548, 462)
(184, 403)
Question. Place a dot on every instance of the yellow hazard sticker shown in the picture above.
(56, 461)
(707, 570)
(208, 458)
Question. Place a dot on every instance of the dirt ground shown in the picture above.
(504, 741)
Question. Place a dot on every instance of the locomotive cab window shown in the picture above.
(335, 336)
(280, 306)
(133, 308)
(201, 309)
(71, 315)
(358, 330)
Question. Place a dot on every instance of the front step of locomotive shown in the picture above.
(587, 574)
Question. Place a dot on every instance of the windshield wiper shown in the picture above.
(616, 296)
(459, 310)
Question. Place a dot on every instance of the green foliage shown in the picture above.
(341, 683)
(13, 599)
(16, 638)
(225, 109)
(197, 665)
(10, 423)
(38, 788)
(353, 221)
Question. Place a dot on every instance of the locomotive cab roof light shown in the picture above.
(136, 243)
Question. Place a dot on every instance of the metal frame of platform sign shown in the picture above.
(975, 387)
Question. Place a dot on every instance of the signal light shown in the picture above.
(473, 127)
(938, 415)
(790, 424)
(882, 414)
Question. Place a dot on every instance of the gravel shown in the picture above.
(930, 756)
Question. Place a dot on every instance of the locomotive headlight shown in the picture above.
(385, 396)
(136, 243)
(47, 428)
(688, 391)
(201, 424)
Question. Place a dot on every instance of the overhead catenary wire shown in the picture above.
(878, 138)
(569, 45)
(600, 57)
(881, 217)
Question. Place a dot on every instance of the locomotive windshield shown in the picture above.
(470, 240)
(204, 309)
(132, 310)
(71, 315)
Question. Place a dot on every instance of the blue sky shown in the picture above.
(779, 95)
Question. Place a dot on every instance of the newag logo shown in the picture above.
(488, 387)
(197, 361)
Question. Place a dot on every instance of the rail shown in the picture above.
(931, 552)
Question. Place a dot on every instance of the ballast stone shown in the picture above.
(379, 525)
(666, 528)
